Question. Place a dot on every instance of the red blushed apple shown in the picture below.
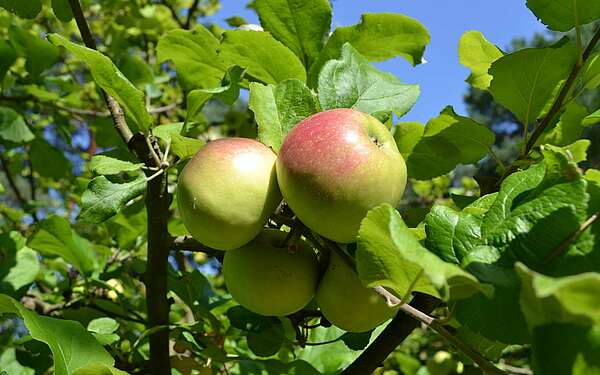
(336, 165)
(227, 191)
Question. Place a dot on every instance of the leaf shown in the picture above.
(106, 165)
(590, 73)
(56, 237)
(477, 53)
(300, 25)
(563, 15)
(265, 59)
(39, 54)
(329, 358)
(71, 345)
(450, 234)
(352, 82)
(109, 78)
(377, 37)
(10, 364)
(569, 299)
(194, 53)
(103, 198)
(62, 10)
(185, 147)
(389, 255)
(267, 341)
(195, 101)
(19, 264)
(104, 329)
(592, 118)
(445, 142)
(278, 108)
(566, 349)
(25, 9)
(569, 128)
(524, 81)
(13, 130)
(49, 161)
(98, 369)
(8, 56)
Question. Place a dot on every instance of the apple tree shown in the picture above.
(183, 198)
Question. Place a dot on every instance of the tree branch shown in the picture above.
(173, 13)
(190, 14)
(554, 109)
(389, 339)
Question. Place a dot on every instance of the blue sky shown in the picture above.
(442, 77)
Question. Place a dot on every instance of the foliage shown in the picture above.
(97, 270)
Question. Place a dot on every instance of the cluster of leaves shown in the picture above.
(515, 266)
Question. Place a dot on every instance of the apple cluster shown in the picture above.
(332, 168)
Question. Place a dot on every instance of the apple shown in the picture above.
(346, 303)
(336, 165)
(227, 192)
(269, 277)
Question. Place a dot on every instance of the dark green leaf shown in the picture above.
(185, 147)
(25, 9)
(477, 53)
(106, 165)
(278, 108)
(7, 58)
(62, 10)
(13, 130)
(55, 237)
(356, 341)
(378, 37)
(39, 54)
(49, 161)
(299, 24)
(265, 59)
(194, 54)
(389, 255)
(71, 345)
(109, 78)
(267, 341)
(19, 264)
(352, 82)
(563, 15)
(524, 81)
(445, 142)
(103, 198)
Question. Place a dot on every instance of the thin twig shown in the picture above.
(173, 13)
(190, 14)
(11, 181)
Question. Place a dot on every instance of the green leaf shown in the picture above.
(185, 147)
(19, 264)
(104, 329)
(563, 15)
(389, 255)
(135, 69)
(352, 82)
(56, 237)
(194, 54)
(39, 54)
(378, 37)
(103, 198)
(450, 234)
(71, 345)
(569, 128)
(265, 59)
(278, 108)
(592, 118)
(300, 25)
(590, 73)
(106, 165)
(477, 53)
(445, 142)
(7, 57)
(49, 161)
(330, 358)
(98, 369)
(109, 78)
(566, 349)
(62, 10)
(524, 81)
(26, 9)
(10, 364)
(569, 299)
(13, 130)
(267, 341)
(195, 101)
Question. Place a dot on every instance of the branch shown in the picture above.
(11, 181)
(190, 14)
(173, 13)
(389, 339)
(555, 108)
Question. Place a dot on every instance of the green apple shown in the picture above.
(336, 165)
(269, 277)
(346, 303)
(227, 192)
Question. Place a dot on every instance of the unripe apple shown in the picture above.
(346, 303)
(336, 165)
(227, 192)
(269, 277)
